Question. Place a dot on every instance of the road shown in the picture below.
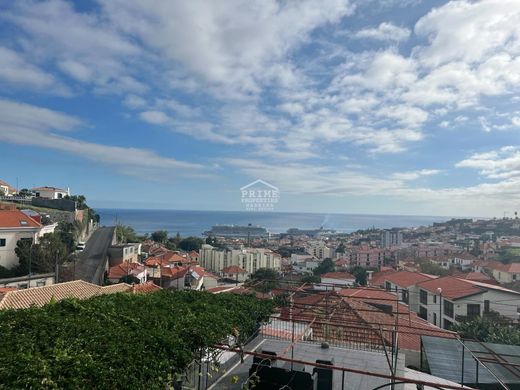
(91, 264)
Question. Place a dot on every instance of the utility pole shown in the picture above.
(439, 290)
(56, 270)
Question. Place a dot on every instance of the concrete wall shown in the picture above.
(37, 280)
(59, 204)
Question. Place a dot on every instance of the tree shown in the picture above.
(489, 328)
(73, 344)
(432, 269)
(2, 192)
(190, 244)
(266, 279)
(129, 279)
(325, 266)
(126, 234)
(311, 279)
(24, 192)
(160, 236)
(361, 275)
(41, 257)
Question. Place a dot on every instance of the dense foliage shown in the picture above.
(325, 266)
(160, 236)
(490, 329)
(264, 279)
(119, 341)
(41, 257)
(190, 244)
(126, 234)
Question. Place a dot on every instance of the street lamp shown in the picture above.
(439, 290)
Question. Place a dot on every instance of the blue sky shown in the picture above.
(390, 106)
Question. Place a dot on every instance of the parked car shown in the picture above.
(80, 246)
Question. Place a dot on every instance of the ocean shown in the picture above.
(194, 223)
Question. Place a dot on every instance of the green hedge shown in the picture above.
(118, 341)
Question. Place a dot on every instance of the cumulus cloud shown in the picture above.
(502, 163)
(384, 32)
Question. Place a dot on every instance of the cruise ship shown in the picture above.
(236, 231)
(309, 232)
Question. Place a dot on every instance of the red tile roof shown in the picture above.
(405, 279)
(477, 276)
(513, 267)
(39, 296)
(174, 272)
(45, 188)
(16, 219)
(368, 293)
(378, 277)
(339, 275)
(143, 288)
(452, 288)
(120, 270)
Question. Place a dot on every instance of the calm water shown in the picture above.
(193, 223)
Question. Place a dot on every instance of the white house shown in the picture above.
(6, 189)
(447, 300)
(305, 266)
(51, 192)
(15, 226)
(336, 281)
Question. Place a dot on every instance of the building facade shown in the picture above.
(249, 259)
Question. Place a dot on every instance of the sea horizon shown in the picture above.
(195, 222)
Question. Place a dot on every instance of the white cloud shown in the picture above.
(154, 117)
(26, 124)
(231, 44)
(16, 70)
(134, 101)
(384, 32)
(413, 175)
(502, 163)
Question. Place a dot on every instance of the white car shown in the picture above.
(80, 246)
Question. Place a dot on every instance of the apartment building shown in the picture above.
(367, 257)
(249, 259)
(391, 238)
(319, 250)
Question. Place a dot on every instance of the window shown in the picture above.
(2, 241)
(435, 299)
(423, 313)
(404, 296)
(434, 318)
(473, 310)
(486, 306)
(22, 286)
(40, 283)
(447, 324)
(388, 286)
(424, 297)
(448, 309)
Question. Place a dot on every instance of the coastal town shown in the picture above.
(260, 195)
(348, 291)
